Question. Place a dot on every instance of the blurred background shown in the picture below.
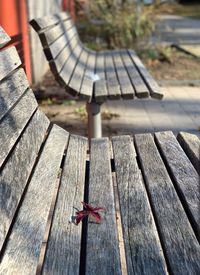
(164, 33)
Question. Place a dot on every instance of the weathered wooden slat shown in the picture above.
(57, 64)
(11, 89)
(68, 68)
(64, 245)
(142, 245)
(50, 35)
(102, 243)
(23, 246)
(100, 89)
(14, 123)
(113, 86)
(9, 61)
(14, 176)
(77, 77)
(155, 90)
(89, 77)
(177, 236)
(49, 21)
(141, 89)
(54, 49)
(191, 145)
(4, 38)
(185, 177)
(125, 83)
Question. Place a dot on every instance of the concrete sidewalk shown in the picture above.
(173, 29)
(178, 111)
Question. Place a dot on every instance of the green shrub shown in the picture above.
(119, 25)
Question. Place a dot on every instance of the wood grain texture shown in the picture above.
(4, 38)
(191, 145)
(88, 81)
(25, 240)
(64, 245)
(48, 21)
(14, 123)
(112, 83)
(102, 242)
(9, 61)
(141, 89)
(125, 83)
(70, 64)
(53, 50)
(58, 63)
(14, 176)
(185, 177)
(155, 90)
(142, 245)
(77, 76)
(11, 89)
(100, 89)
(50, 35)
(177, 236)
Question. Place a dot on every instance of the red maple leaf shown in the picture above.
(87, 211)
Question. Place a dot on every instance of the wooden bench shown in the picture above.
(93, 76)
(147, 184)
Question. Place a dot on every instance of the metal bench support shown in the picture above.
(94, 120)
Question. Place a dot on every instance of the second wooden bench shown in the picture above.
(93, 76)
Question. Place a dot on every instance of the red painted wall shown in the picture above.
(69, 6)
(13, 18)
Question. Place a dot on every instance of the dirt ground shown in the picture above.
(66, 111)
(171, 64)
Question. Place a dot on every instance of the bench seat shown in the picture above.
(148, 185)
(89, 75)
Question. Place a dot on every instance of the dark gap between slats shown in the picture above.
(9, 74)
(52, 64)
(85, 66)
(117, 77)
(141, 75)
(26, 185)
(134, 88)
(112, 163)
(51, 215)
(47, 51)
(77, 59)
(66, 45)
(153, 210)
(181, 198)
(19, 137)
(49, 44)
(49, 27)
(47, 48)
(84, 223)
(16, 102)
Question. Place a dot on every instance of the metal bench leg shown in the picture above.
(94, 120)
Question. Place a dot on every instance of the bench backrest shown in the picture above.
(22, 131)
(60, 41)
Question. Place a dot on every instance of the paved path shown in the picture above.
(179, 110)
(173, 29)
